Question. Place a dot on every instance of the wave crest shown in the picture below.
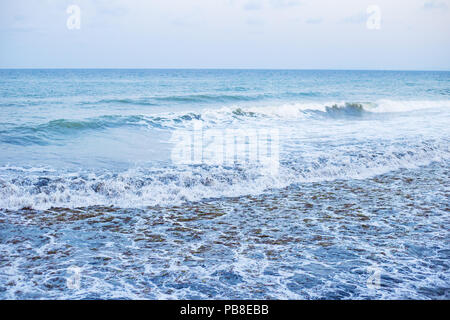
(44, 133)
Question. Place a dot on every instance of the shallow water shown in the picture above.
(88, 185)
(312, 240)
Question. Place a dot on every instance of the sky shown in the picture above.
(278, 34)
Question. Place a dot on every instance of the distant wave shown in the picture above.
(41, 134)
(191, 98)
(139, 102)
(212, 98)
(203, 98)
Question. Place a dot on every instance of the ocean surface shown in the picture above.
(93, 205)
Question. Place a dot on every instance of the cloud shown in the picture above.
(255, 22)
(356, 18)
(259, 4)
(253, 5)
(433, 4)
(190, 19)
(284, 3)
(113, 8)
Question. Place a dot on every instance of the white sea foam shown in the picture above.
(293, 111)
(173, 186)
(406, 106)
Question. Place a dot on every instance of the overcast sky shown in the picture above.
(303, 34)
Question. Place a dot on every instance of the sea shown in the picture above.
(97, 203)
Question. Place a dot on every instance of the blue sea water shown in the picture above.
(88, 183)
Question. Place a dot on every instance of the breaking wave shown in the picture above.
(176, 185)
(46, 132)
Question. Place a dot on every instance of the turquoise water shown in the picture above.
(87, 180)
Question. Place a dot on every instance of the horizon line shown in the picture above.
(215, 68)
